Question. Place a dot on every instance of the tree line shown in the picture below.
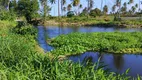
(31, 9)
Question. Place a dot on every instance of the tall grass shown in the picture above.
(19, 61)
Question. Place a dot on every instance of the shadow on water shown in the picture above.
(115, 62)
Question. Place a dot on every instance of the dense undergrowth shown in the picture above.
(20, 61)
(115, 42)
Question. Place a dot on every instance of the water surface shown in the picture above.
(115, 62)
(53, 31)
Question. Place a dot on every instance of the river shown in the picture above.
(116, 63)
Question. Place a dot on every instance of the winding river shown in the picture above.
(116, 63)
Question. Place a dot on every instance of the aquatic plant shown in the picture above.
(115, 42)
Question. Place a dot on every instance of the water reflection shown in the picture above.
(115, 63)
(118, 62)
(53, 31)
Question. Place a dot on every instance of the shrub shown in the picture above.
(24, 28)
(7, 15)
(70, 14)
(95, 12)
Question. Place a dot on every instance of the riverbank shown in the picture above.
(112, 42)
(99, 21)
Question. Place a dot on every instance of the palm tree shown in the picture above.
(133, 9)
(140, 2)
(75, 4)
(58, 8)
(44, 3)
(125, 4)
(90, 4)
(80, 6)
(118, 4)
(69, 7)
(124, 8)
(64, 9)
(113, 8)
(136, 5)
(131, 1)
(105, 9)
(52, 2)
(63, 2)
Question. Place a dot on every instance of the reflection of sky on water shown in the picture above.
(53, 31)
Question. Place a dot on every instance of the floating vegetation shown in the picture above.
(114, 42)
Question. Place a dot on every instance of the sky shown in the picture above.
(97, 4)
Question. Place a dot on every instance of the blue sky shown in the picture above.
(97, 4)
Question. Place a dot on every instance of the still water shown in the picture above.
(116, 63)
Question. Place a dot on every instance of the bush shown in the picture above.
(95, 12)
(7, 15)
(70, 14)
(24, 29)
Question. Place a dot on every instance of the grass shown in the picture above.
(20, 61)
(114, 42)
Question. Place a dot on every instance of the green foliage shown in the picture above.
(84, 12)
(6, 15)
(95, 12)
(28, 8)
(4, 3)
(24, 28)
(115, 42)
(105, 9)
(70, 14)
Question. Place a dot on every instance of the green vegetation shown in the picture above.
(102, 21)
(6, 15)
(28, 9)
(115, 42)
(21, 61)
